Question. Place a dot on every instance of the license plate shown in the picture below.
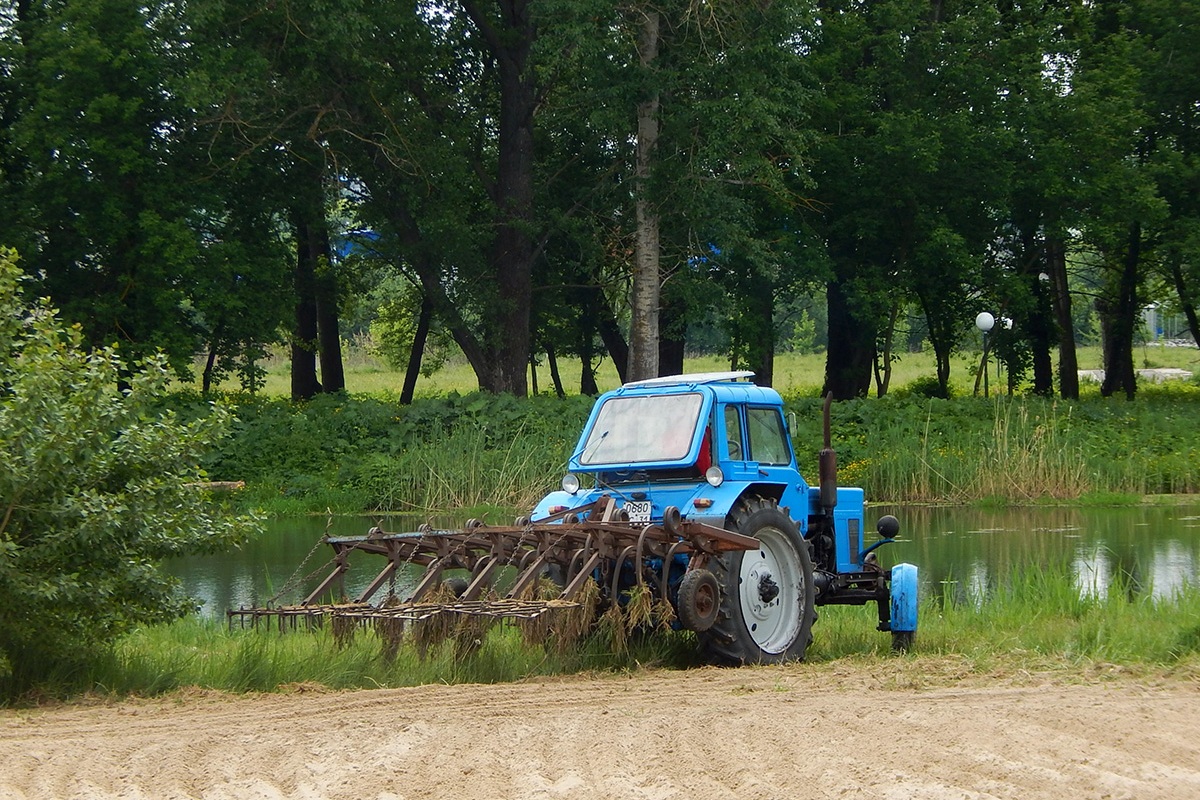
(638, 510)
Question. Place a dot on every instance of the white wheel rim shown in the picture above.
(773, 626)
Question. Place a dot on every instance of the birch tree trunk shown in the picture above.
(647, 283)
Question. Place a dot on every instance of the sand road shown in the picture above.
(800, 731)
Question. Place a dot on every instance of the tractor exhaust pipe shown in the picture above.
(827, 466)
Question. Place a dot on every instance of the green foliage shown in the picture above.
(351, 453)
(95, 492)
(927, 386)
(395, 324)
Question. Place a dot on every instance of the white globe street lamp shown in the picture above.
(984, 321)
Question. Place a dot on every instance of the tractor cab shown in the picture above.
(695, 442)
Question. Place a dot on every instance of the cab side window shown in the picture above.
(768, 437)
(733, 434)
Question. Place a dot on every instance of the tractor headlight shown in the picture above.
(570, 483)
(714, 476)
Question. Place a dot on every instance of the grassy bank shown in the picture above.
(1037, 622)
(352, 453)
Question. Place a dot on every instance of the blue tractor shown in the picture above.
(714, 449)
(684, 489)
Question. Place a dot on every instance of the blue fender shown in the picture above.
(904, 598)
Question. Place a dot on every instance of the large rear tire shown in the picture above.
(766, 612)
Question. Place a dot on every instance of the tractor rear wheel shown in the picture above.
(766, 612)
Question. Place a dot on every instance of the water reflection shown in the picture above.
(969, 550)
(974, 550)
(288, 560)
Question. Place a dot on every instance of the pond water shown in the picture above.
(1152, 549)
(970, 549)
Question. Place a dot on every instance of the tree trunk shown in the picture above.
(209, 364)
(506, 340)
(329, 335)
(587, 378)
(1060, 298)
(430, 278)
(647, 283)
(555, 377)
(1039, 324)
(851, 347)
(514, 247)
(942, 337)
(1118, 317)
(882, 362)
(587, 338)
(417, 352)
(672, 334)
(758, 328)
(610, 334)
(1185, 298)
(304, 333)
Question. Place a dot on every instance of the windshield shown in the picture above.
(641, 430)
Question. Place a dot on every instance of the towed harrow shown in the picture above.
(595, 542)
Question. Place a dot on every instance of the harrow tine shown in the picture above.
(482, 579)
(528, 576)
(581, 577)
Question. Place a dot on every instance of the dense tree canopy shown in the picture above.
(582, 179)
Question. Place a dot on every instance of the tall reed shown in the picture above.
(1017, 450)
(466, 470)
(1028, 459)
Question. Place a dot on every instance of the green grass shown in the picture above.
(355, 454)
(794, 372)
(1038, 621)
(464, 471)
(206, 654)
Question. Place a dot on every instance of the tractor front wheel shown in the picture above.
(766, 612)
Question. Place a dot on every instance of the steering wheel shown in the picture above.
(735, 449)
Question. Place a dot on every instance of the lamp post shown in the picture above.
(984, 321)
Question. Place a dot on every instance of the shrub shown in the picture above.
(95, 492)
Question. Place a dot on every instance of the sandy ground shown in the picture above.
(820, 731)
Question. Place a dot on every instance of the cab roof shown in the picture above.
(692, 379)
(728, 387)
